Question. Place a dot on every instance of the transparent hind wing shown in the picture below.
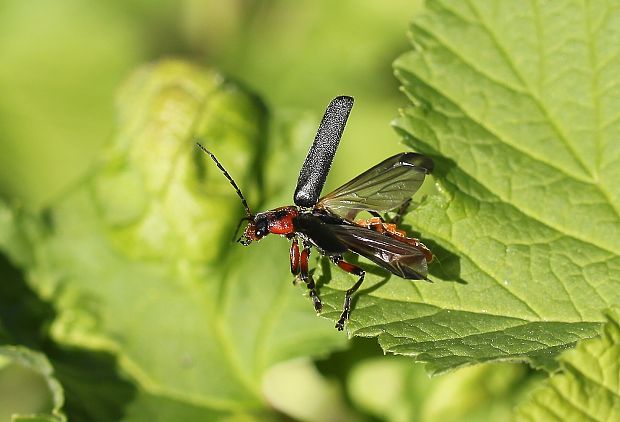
(381, 188)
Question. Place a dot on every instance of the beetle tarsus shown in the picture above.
(346, 308)
(318, 306)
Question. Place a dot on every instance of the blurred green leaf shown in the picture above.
(281, 386)
(61, 64)
(391, 388)
(394, 390)
(516, 105)
(94, 387)
(37, 362)
(137, 257)
(588, 388)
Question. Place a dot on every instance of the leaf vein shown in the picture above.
(571, 402)
(554, 125)
(577, 372)
(501, 198)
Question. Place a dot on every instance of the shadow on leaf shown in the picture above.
(94, 388)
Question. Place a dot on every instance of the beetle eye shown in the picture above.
(261, 228)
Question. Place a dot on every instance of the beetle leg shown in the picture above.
(377, 215)
(352, 269)
(294, 257)
(401, 212)
(307, 278)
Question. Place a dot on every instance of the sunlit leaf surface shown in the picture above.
(588, 388)
(518, 105)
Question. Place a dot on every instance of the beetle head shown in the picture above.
(257, 228)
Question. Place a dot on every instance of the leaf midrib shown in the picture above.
(593, 178)
(522, 209)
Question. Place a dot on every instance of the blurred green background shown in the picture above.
(62, 63)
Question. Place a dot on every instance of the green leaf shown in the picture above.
(137, 257)
(146, 406)
(516, 103)
(588, 388)
(38, 363)
(394, 390)
(93, 385)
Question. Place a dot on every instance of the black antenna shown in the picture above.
(230, 179)
(319, 159)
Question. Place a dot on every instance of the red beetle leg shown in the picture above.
(306, 278)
